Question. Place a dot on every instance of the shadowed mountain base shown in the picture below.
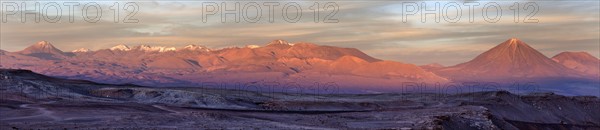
(33, 101)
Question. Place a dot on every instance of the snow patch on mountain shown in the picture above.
(81, 50)
(148, 48)
(197, 48)
(252, 46)
(120, 47)
(280, 42)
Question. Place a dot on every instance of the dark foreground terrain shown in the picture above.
(33, 101)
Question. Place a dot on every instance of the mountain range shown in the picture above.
(291, 64)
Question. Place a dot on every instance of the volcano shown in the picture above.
(579, 61)
(43, 50)
(41, 47)
(512, 59)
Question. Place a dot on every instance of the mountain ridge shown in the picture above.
(276, 60)
(279, 60)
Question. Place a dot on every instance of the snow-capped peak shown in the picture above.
(81, 50)
(120, 47)
(146, 48)
(41, 47)
(279, 42)
(168, 49)
(514, 41)
(43, 43)
(196, 47)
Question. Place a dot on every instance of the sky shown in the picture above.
(388, 30)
